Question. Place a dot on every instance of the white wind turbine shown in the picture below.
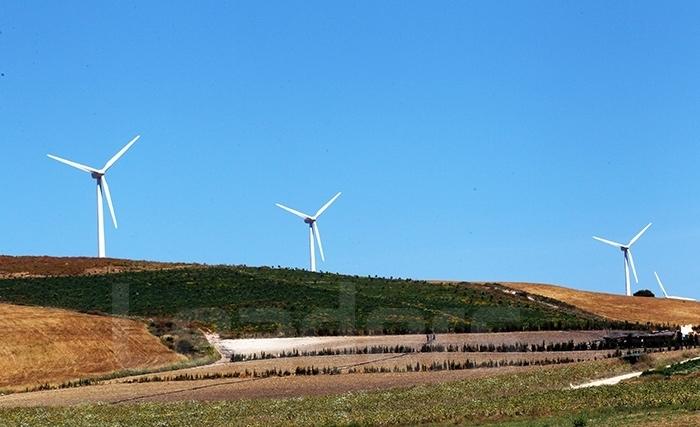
(313, 228)
(629, 259)
(663, 289)
(102, 189)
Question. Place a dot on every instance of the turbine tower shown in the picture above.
(102, 190)
(313, 228)
(629, 259)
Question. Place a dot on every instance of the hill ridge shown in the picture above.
(618, 307)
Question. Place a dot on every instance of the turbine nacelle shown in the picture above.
(102, 190)
(314, 233)
(629, 259)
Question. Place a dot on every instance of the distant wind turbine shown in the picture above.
(102, 189)
(663, 289)
(313, 228)
(629, 259)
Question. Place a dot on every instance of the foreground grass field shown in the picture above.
(40, 345)
(671, 416)
(245, 301)
(539, 397)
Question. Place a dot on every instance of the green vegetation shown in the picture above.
(182, 338)
(644, 293)
(676, 369)
(666, 416)
(535, 398)
(244, 301)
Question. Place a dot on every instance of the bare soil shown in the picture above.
(276, 345)
(235, 389)
(359, 362)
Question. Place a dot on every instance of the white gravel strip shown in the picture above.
(607, 381)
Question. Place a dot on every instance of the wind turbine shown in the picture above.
(629, 259)
(313, 228)
(102, 189)
(661, 285)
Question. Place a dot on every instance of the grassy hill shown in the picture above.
(620, 307)
(46, 345)
(246, 301)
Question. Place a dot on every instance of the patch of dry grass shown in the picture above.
(619, 307)
(45, 345)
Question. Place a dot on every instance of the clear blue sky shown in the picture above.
(472, 140)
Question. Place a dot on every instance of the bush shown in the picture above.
(580, 421)
(644, 293)
(184, 347)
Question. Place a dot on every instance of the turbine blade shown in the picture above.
(609, 242)
(318, 239)
(661, 285)
(639, 235)
(326, 206)
(83, 168)
(119, 154)
(634, 270)
(295, 212)
(108, 196)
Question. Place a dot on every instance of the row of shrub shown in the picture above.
(601, 345)
(452, 365)
(68, 384)
(446, 365)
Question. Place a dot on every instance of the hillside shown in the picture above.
(246, 301)
(45, 345)
(44, 266)
(620, 307)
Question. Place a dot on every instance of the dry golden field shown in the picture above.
(619, 307)
(46, 345)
